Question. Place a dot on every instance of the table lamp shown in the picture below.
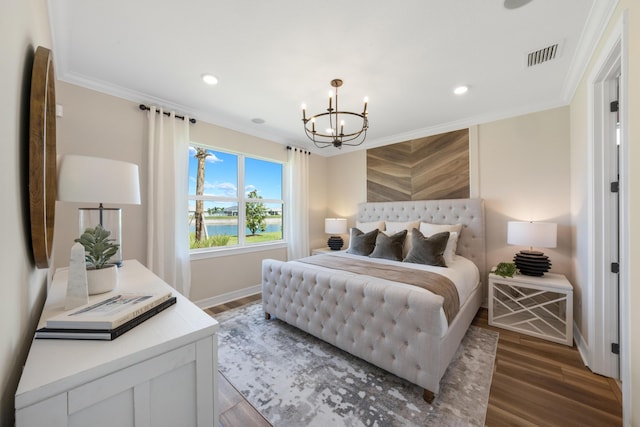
(335, 226)
(97, 180)
(532, 234)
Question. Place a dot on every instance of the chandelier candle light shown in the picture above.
(335, 123)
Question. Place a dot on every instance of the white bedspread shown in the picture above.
(462, 272)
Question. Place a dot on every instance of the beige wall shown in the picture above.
(524, 176)
(23, 27)
(579, 119)
(94, 124)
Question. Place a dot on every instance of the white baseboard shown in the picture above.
(229, 296)
(580, 344)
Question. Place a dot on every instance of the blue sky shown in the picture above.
(221, 170)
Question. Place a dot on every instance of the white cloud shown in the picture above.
(213, 159)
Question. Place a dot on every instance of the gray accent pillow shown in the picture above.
(362, 243)
(427, 250)
(389, 247)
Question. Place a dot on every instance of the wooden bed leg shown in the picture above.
(428, 396)
(267, 316)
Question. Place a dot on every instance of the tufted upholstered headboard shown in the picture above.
(469, 212)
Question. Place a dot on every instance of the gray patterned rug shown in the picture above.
(296, 380)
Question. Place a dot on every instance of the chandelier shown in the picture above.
(333, 121)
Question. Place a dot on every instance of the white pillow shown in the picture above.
(393, 227)
(450, 251)
(454, 230)
(366, 227)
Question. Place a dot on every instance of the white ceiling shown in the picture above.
(271, 56)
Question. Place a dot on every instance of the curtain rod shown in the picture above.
(166, 113)
(296, 149)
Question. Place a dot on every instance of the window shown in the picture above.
(220, 214)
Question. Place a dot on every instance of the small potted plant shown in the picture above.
(102, 276)
(506, 269)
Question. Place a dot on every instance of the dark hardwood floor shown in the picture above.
(535, 383)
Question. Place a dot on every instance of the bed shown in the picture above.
(398, 327)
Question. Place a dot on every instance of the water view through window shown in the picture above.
(219, 214)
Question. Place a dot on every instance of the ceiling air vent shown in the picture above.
(545, 54)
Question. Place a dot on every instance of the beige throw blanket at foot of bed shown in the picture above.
(433, 282)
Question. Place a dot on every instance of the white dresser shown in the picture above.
(163, 372)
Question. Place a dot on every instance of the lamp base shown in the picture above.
(335, 243)
(532, 263)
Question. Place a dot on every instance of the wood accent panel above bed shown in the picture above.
(434, 167)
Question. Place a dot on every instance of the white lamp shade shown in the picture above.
(97, 180)
(532, 234)
(335, 225)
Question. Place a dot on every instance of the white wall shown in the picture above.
(23, 27)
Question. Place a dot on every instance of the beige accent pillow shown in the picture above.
(454, 230)
(394, 227)
(366, 227)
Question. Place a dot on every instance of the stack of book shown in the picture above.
(106, 319)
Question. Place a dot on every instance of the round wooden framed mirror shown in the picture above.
(42, 156)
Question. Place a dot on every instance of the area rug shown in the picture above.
(294, 379)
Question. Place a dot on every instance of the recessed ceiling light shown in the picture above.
(258, 120)
(460, 90)
(210, 79)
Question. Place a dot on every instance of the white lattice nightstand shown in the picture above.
(536, 306)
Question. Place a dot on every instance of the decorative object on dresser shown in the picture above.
(335, 226)
(77, 288)
(332, 124)
(303, 381)
(532, 234)
(102, 276)
(162, 373)
(97, 180)
(105, 334)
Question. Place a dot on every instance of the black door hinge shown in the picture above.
(613, 106)
(615, 348)
(615, 267)
(615, 186)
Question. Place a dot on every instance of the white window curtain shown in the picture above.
(167, 204)
(298, 203)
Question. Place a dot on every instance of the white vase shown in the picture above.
(102, 280)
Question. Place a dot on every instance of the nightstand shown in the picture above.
(538, 306)
(319, 251)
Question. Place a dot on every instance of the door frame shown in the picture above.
(602, 321)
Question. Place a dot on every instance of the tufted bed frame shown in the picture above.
(398, 330)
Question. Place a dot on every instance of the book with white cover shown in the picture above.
(109, 313)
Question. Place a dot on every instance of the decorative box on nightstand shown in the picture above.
(319, 251)
(536, 306)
